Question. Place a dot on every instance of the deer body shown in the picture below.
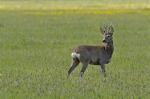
(95, 55)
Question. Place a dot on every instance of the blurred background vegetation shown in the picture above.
(73, 4)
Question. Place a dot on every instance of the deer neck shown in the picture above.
(109, 48)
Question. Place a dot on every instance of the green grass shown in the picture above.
(35, 55)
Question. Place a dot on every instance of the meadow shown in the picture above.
(35, 48)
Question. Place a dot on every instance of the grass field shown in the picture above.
(36, 46)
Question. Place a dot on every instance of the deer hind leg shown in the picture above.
(73, 66)
(84, 66)
(103, 69)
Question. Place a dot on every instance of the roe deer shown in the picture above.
(95, 55)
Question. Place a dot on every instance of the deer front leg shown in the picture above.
(103, 69)
(73, 66)
(84, 66)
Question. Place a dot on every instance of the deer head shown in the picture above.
(107, 32)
